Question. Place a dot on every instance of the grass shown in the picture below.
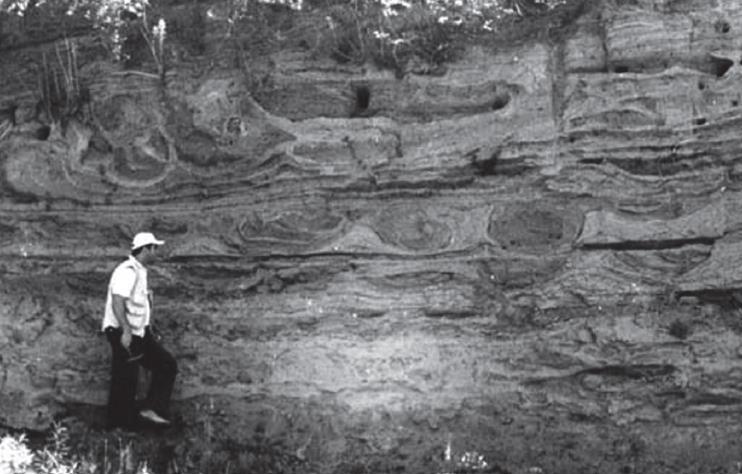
(408, 37)
(77, 450)
(415, 38)
(55, 456)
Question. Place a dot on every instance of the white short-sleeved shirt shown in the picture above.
(129, 280)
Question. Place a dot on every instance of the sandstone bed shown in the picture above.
(533, 256)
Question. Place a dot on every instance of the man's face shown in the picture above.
(148, 254)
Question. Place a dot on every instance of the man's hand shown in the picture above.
(126, 340)
(119, 310)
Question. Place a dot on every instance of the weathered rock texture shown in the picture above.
(533, 256)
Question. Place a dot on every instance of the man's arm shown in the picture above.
(119, 310)
(152, 328)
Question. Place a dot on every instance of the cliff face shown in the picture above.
(532, 256)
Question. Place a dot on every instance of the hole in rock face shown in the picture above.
(42, 133)
(363, 99)
(701, 85)
(501, 101)
(486, 167)
(679, 329)
(700, 121)
(620, 69)
(721, 65)
(722, 26)
(735, 103)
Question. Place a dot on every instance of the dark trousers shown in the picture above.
(148, 353)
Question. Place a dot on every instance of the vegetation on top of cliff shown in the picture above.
(421, 37)
(150, 37)
(391, 33)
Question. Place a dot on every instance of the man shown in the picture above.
(126, 323)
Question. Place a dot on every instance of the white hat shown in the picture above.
(145, 238)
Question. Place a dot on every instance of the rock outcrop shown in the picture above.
(533, 256)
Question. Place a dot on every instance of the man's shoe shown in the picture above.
(150, 415)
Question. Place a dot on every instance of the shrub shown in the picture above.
(391, 33)
(62, 96)
(56, 457)
(15, 457)
(403, 35)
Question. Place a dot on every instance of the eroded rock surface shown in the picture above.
(533, 256)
